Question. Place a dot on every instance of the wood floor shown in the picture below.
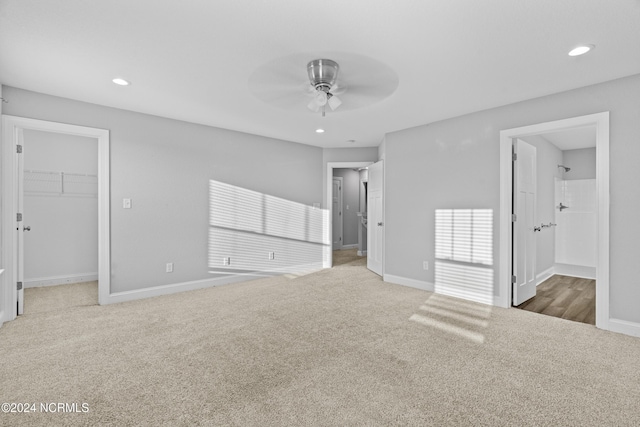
(570, 298)
(348, 256)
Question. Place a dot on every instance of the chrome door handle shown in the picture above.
(27, 228)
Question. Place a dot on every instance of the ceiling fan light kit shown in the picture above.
(323, 74)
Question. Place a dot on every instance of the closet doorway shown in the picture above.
(57, 202)
(58, 176)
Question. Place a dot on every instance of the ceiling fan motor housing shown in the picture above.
(322, 74)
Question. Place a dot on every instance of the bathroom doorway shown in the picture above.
(600, 122)
(564, 234)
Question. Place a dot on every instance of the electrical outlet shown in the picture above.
(226, 261)
(169, 267)
(425, 265)
(126, 203)
(272, 255)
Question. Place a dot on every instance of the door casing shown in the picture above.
(327, 256)
(12, 126)
(601, 123)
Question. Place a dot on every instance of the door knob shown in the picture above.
(27, 228)
(380, 224)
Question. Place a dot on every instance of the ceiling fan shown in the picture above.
(281, 82)
(323, 74)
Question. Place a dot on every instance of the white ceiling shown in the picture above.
(573, 139)
(198, 60)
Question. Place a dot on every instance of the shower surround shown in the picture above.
(576, 231)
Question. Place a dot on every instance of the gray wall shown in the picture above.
(165, 166)
(455, 164)
(582, 163)
(548, 158)
(63, 241)
(350, 204)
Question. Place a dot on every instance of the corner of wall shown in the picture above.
(382, 149)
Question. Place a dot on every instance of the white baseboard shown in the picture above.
(412, 283)
(362, 253)
(575, 271)
(544, 275)
(624, 327)
(60, 280)
(350, 246)
(173, 288)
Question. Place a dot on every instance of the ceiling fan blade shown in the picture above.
(334, 102)
(309, 89)
(313, 106)
(338, 89)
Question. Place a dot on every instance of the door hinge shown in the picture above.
(514, 157)
(513, 279)
(19, 286)
(18, 148)
(514, 217)
(339, 213)
(19, 217)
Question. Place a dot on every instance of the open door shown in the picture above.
(524, 208)
(375, 219)
(20, 227)
(336, 212)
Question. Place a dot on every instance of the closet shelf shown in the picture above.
(60, 183)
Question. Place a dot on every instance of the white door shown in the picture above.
(524, 238)
(20, 221)
(375, 219)
(336, 210)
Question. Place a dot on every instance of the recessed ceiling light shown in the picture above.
(319, 130)
(121, 82)
(581, 50)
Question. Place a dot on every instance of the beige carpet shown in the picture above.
(336, 347)
(61, 297)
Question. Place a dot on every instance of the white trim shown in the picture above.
(601, 122)
(362, 253)
(355, 245)
(576, 271)
(11, 126)
(624, 327)
(60, 280)
(412, 283)
(327, 256)
(541, 277)
(173, 288)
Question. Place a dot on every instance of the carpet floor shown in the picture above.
(335, 347)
